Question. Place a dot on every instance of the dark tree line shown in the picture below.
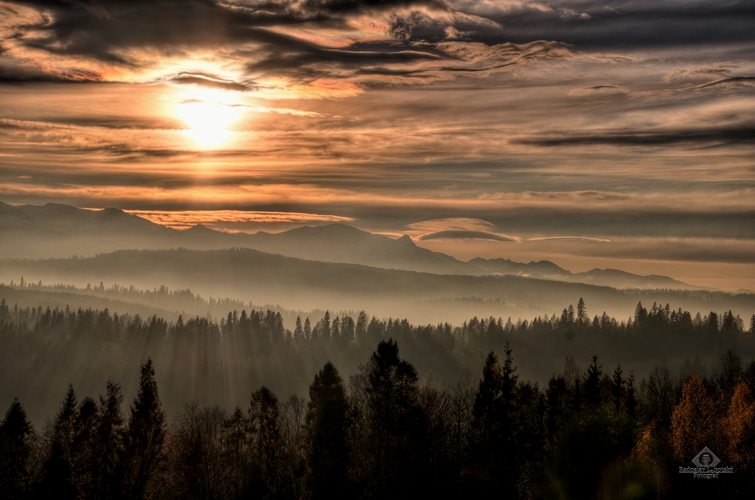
(88, 450)
(221, 362)
(385, 435)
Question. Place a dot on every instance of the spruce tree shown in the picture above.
(298, 331)
(15, 449)
(83, 449)
(57, 478)
(307, 329)
(493, 418)
(108, 448)
(264, 414)
(327, 427)
(144, 437)
(617, 388)
(392, 414)
(592, 383)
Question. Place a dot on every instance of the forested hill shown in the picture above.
(392, 431)
(261, 278)
(43, 349)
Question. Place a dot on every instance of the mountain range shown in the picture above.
(55, 231)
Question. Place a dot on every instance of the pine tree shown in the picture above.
(617, 388)
(325, 332)
(298, 331)
(83, 449)
(392, 412)
(236, 444)
(265, 433)
(64, 422)
(57, 480)
(493, 413)
(144, 437)
(582, 319)
(108, 449)
(630, 396)
(327, 424)
(307, 329)
(15, 449)
(592, 384)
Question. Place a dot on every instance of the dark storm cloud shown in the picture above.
(622, 23)
(692, 137)
(290, 55)
(100, 29)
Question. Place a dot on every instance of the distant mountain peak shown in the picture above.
(406, 241)
(113, 211)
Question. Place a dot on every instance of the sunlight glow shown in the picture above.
(209, 114)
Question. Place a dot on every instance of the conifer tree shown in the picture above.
(83, 449)
(392, 413)
(582, 319)
(494, 414)
(298, 331)
(108, 449)
(327, 427)
(265, 440)
(630, 399)
(236, 447)
(57, 480)
(592, 383)
(325, 332)
(617, 388)
(362, 322)
(15, 450)
(144, 437)
(307, 329)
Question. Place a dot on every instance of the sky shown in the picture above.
(615, 134)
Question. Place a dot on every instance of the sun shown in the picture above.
(208, 116)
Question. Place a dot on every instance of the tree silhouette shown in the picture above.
(265, 441)
(493, 412)
(109, 445)
(327, 425)
(393, 414)
(15, 451)
(144, 437)
(57, 480)
(592, 383)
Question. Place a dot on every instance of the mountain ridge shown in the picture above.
(57, 230)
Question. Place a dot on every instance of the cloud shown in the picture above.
(188, 218)
(258, 43)
(463, 235)
(209, 81)
(748, 81)
(744, 133)
(585, 238)
(600, 89)
(458, 229)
